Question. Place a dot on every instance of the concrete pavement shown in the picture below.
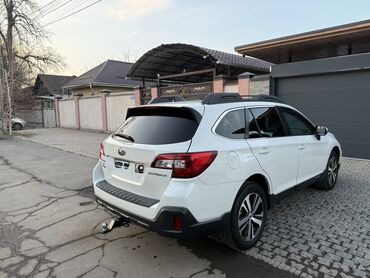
(49, 226)
(311, 234)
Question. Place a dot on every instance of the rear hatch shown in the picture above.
(147, 132)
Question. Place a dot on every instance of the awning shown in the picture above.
(170, 59)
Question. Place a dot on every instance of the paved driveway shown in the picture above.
(311, 234)
(49, 226)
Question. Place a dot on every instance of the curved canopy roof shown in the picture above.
(169, 59)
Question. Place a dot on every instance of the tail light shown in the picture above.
(101, 153)
(177, 223)
(185, 165)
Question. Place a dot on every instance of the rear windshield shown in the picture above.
(160, 125)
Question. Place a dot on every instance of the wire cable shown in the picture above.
(66, 16)
(63, 4)
(69, 8)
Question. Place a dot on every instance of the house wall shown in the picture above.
(67, 113)
(90, 113)
(117, 105)
(95, 91)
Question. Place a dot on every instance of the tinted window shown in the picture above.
(269, 122)
(159, 125)
(297, 124)
(232, 125)
(253, 131)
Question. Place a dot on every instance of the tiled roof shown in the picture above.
(54, 83)
(229, 59)
(109, 73)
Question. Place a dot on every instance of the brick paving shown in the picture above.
(313, 233)
(322, 234)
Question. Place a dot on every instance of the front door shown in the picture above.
(312, 160)
(275, 151)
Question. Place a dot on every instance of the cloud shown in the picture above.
(126, 9)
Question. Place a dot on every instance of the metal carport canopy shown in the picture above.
(169, 59)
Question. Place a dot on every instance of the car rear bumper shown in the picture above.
(164, 223)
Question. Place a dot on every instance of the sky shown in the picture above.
(115, 29)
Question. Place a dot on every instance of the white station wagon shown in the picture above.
(198, 167)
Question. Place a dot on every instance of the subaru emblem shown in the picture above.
(121, 152)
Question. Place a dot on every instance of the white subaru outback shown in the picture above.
(198, 167)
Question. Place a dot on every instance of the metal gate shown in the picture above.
(333, 92)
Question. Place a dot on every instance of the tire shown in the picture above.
(17, 126)
(330, 177)
(248, 216)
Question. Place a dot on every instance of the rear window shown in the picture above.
(160, 125)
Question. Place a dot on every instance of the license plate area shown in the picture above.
(138, 168)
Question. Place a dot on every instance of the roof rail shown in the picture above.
(262, 97)
(216, 98)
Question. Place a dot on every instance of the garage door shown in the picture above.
(340, 101)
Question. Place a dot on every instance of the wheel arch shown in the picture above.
(337, 151)
(262, 181)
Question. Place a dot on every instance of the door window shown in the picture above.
(268, 122)
(297, 124)
(253, 131)
(232, 125)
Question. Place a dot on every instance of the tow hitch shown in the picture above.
(115, 222)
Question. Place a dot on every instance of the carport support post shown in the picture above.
(77, 111)
(243, 83)
(154, 91)
(103, 102)
(218, 83)
(137, 93)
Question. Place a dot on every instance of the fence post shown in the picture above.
(137, 93)
(154, 91)
(218, 84)
(243, 83)
(103, 102)
(57, 111)
(77, 111)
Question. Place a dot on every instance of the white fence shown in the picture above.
(105, 112)
(90, 113)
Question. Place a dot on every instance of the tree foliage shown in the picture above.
(23, 50)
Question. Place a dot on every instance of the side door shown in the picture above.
(312, 160)
(275, 151)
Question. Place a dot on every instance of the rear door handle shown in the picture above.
(264, 150)
(301, 147)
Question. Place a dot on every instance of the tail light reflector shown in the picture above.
(101, 152)
(177, 223)
(185, 165)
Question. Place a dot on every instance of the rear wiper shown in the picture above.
(124, 136)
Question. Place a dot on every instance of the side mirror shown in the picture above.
(321, 131)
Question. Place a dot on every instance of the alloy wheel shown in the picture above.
(250, 216)
(332, 170)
